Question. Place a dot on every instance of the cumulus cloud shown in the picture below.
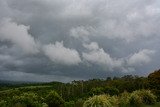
(62, 55)
(140, 58)
(98, 56)
(17, 34)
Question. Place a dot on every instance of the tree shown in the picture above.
(154, 79)
(111, 91)
(54, 100)
(26, 99)
(96, 91)
(154, 82)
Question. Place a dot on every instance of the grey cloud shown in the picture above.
(21, 76)
(122, 35)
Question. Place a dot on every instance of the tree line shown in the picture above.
(78, 91)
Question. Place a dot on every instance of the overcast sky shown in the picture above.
(65, 40)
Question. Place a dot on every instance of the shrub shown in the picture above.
(135, 100)
(148, 97)
(100, 101)
(124, 99)
(140, 97)
(54, 100)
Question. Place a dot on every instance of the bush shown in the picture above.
(148, 97)
(135, 100)
(100, 101)
(140, 97)
(157, 93)
(124, 99)
(54, 100)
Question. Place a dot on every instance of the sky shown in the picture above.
(66, 40)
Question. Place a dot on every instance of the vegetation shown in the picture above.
(127, 91)
(101, 101)
(54, 100)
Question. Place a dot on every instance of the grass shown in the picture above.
(155, 105)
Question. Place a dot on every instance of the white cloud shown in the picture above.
(140, 58)
(98, 56)
(62, 55)
(17, 34)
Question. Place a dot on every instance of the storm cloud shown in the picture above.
(64, 40)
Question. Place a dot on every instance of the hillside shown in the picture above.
(78, 91)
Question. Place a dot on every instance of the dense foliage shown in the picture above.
(54, 100)
(127, 90)
(154, 82)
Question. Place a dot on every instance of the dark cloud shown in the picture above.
(65, 40)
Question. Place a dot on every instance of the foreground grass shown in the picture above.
(156, 105)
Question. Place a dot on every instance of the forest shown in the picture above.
(126, 91)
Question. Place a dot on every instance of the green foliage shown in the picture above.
(124, 99)
(154, 83)
(54, 100)
(111, 91)
(100, 101)
(96, 91)
(154, 80)
(69, 104)
(106, 90)
(79, 103)
(26, 99)
(140, 97)
(74, 93)
(3, 103)
(135, 100)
